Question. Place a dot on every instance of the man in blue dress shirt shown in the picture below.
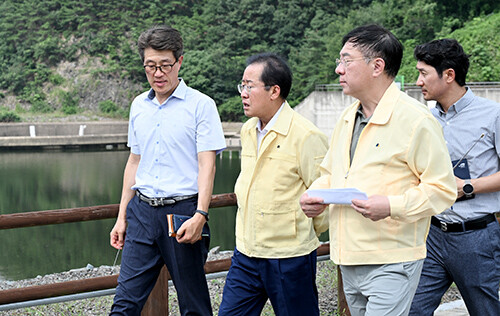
(464, 241)
(174, 135)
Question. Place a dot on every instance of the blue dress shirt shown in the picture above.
(463, 125)
(168, 138)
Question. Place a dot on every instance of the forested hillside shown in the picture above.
(71, 56)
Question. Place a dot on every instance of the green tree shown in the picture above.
(480, 38)
(220, 34)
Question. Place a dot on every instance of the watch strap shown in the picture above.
(203, 213)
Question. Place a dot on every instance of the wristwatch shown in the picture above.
(203, 213)
(468, 189)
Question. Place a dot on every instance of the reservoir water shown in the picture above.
(37, 181)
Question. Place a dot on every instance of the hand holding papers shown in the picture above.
(337, 196)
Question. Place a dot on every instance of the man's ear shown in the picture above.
(378, 66)
(449, 75)
(275, 92)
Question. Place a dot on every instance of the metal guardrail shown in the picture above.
(99, 286)
(156, 302)
(87, 295)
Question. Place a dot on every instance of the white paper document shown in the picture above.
(338, 196)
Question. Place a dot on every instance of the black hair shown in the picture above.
(161, 37)
(444, 54)
(375, 41)
(276, 71)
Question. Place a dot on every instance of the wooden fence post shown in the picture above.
(157, 303)
(342, 302)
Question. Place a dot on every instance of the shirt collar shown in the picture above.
(461, 104)
(179, 92)
(361, 115)
(271, 122)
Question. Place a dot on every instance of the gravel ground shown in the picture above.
(326, 282)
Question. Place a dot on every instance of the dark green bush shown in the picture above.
(39, 103)
(7, 116)
(69, 103)
(108, 107)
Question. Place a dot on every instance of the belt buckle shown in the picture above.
(444, 226)
(154, 202)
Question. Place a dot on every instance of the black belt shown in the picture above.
(161, 201)
(474, 224)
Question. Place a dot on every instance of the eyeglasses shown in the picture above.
(248, 89)
(165, 68)
(346, 62)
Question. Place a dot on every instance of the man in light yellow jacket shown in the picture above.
(389, 146)
(275, 255)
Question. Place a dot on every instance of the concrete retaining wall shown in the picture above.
(324, 108)
(63, 128)
(109, 134)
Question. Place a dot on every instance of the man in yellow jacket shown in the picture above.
(275, 255)
(389, 146)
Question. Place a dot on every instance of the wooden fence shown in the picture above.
(157, 303)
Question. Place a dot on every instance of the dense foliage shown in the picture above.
(219, 34)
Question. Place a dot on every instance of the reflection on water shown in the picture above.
(33, 181)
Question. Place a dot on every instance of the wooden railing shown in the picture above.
(157, 303)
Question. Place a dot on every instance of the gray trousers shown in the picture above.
(387, 289)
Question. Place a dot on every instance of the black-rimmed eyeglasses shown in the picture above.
(165, 68)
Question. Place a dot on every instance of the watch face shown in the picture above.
(468, 189)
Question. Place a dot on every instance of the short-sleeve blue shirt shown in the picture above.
(168, 138)
(463, 124)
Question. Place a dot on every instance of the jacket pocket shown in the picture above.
(275, 228)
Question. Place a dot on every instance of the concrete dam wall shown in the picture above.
(108, 134)
(324, 106)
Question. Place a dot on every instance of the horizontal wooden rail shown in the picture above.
(81, 214)
(29, 219)
(99, 283)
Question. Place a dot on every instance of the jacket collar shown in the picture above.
(384, 108)
(282, 125)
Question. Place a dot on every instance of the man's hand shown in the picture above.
(190, 231)
(377, 207)
(117, 234)
(312, 206)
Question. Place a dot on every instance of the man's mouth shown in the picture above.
(160, 83)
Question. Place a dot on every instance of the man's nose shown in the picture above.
(419, 82)
(339, 69)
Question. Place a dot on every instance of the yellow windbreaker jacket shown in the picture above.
(402, 154)
(270, 222)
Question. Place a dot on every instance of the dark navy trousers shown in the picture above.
(289, 283)
(471, 259)
(147, 248)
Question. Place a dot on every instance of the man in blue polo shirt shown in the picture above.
(464, 241)
(174, 135)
